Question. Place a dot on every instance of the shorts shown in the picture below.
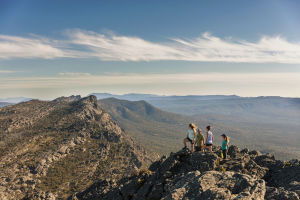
(198, 148)
(191, 141)
(208, 145)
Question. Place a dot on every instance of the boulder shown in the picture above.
(233, 150)
(203, 162)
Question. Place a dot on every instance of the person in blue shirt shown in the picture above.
(209, 139)
(225, 145)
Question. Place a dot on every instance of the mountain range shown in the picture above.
(62, 146)
(83, 148)
(148, 97)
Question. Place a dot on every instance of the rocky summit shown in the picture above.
(243, 175)
(51, 149)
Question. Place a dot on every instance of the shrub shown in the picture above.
(143, 170)
(288, 164)
(135, 173)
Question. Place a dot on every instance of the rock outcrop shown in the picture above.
(244, 175)
(67, 99)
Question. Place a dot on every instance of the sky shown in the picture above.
(62, 48)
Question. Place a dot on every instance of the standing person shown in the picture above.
(225, 145)
(209, 139)
(190, 137)
(199, 141)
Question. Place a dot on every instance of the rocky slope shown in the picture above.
(49, 150)
(244, 175)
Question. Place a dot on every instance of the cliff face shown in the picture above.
(244, 175)
(62, 147)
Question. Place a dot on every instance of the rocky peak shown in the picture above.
(244, 175)
(67, 99)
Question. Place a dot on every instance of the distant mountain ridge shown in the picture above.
(147, 97)
(3, 104)
(153, 97)
(15, 99)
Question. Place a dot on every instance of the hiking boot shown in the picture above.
(184, 147)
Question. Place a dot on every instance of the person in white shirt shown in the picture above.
(190, 137)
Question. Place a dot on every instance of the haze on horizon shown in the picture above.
(51, 49)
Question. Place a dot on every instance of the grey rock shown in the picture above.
(156, 191)
(203, 162)
(255, 153)
(246, 150)
(168, 163)
(288, 177)
(182, 152)
(280, 194)
(217, 185)
(144, 189)
(254, 169)
(233, 150)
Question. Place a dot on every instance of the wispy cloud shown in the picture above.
(138, 79)
(35, 47)
(205, 48)
(73, 74)
(8, 72)
(112, 47)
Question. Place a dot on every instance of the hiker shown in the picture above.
(199, 141)
(209, 139)
(225, 145)
(190, 137)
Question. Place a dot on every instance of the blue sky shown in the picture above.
(54, 48)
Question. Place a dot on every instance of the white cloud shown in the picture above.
(73, 74)
(122, 48)
(111, 47)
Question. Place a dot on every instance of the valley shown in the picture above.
(267, 124)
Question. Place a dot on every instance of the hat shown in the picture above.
(224, 135)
